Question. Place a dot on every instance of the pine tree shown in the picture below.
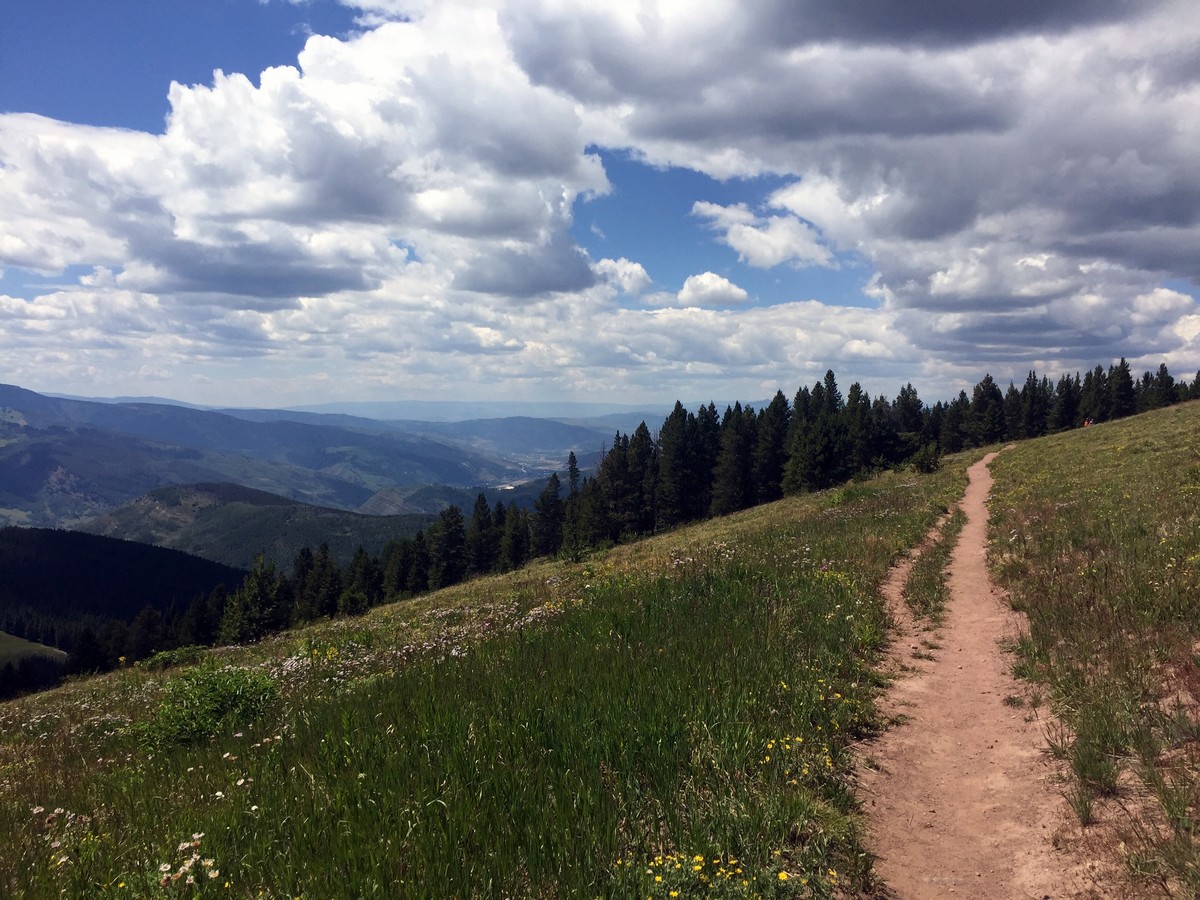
(1014, 415)
(1121, 401)
(676, 470)
(1064, 412)
(548, 521)
(770, 448)
(858, 427)
(261, 606)
(447, 549)
(483, 543)
(514, 545)
(733, 489)
(397, 567)
(418, 576)
(986, 422)
(953, 436)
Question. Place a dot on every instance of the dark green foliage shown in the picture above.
(986, 421)
(207, 700)
(548, 521)
(448, 549)
(770, 449)
(261, 606)
(1121, 399)
(733, 487)
(514, 545)
(677, 483)
(482, 539)
(1064, 413)
(926, 460)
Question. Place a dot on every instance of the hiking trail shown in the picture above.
(960, 797)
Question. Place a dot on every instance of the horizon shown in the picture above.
(516, 202)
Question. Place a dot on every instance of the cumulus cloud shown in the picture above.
(630, 277)
(710, 289)
(396, 208)
(767, 241)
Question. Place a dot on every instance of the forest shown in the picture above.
(698, 464)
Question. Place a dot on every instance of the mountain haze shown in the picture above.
(64, 460)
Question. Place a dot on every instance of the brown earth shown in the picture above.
(961, 798)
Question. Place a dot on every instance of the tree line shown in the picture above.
(698, 464)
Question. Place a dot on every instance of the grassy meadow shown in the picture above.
(13, 649)
(664, 719)
(1096, 535)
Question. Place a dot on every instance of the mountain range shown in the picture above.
(64, 461)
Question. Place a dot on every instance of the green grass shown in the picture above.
(1096, 535)
(925, 591)
(673, 715)
(13, 649)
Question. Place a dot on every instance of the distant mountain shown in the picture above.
(433, 498)
(231, 524)
(63, 460)
(462, 410)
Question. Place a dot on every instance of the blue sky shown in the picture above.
(520, 199)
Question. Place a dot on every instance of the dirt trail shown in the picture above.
(960, 798)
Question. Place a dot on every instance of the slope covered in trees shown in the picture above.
(699, 464)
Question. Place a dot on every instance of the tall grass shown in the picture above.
(670, 717)
(1096, 535)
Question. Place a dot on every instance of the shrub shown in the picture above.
(199, 703)
(926, 460)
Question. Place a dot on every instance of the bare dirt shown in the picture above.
(960, 796)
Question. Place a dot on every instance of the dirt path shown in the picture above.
(960, 797)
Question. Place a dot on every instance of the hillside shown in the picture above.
(563, 730)
(230, 524)
(65, 460)
(54, 578)
(562, 708)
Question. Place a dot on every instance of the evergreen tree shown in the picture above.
(1094, 400)
(618, 487)
(1064, 412)
(258, 608)
(397, 567)
(953, 436)
(770, 449)
(483, 543)
(986, 422)
(1121, 401)
(548, 522)
(1014, 415)
(1037, 400)
(514, 545)
(858, 426)
(364, 575)
(447, 549)
(733, 488)
(643, 475)
(1165, 390)
(676, 469)
(418, 573)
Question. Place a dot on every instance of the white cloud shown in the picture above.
(710, 289)
(396, 209)
(629, 276)
(765, 242)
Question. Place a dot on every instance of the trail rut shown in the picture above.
(960, 798)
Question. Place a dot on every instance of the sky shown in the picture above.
(278, 203)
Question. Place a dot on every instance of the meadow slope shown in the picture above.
(1096, 536)
(669, 716)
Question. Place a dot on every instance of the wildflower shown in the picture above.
(783, 876)
(165, 867)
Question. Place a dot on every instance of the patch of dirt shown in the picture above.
(961, 797)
